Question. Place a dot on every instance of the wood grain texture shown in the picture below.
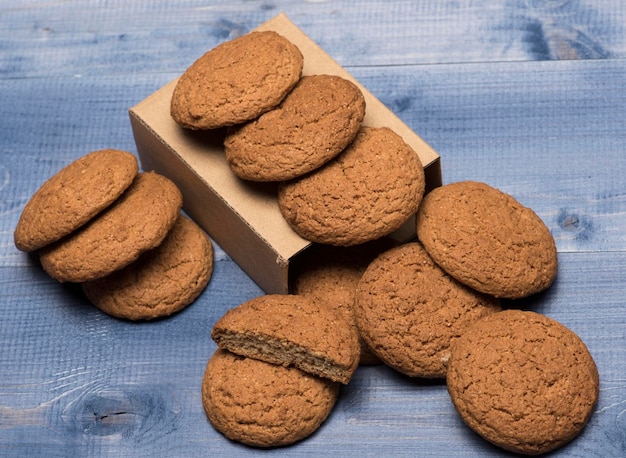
(96, 37)
(526, 95)
(76, 382)
(551, 133)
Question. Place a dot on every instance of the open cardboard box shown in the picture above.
(242, 217)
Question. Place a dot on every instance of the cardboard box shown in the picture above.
(241, 217)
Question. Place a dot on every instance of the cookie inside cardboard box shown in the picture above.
(243, 218)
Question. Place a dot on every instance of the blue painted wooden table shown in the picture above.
(527, 95)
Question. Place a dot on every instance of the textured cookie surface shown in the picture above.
(262, 404)
(162, 281)
(409, 311)
(136, 222)
(330, 275)
(487, 240)
(73, 196)
(313, 124)
(236, 81)
(523, 381)
(291, 330)
(364, 193)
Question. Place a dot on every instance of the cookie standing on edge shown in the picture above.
(162, 281)
(262, 404)
(313, 124)
(291, 330)
(409, 311)
(523, 381)
(73, 196)
(236, 81)
(366, 192)
(487, 240)
(136, 222)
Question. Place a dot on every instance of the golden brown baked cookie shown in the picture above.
(366, 192)
(162, 281)
(329, 275)
(73, 196)
(236, 81)
(487, 240)
(291, 330)
(409, 311)
(262, 404)
(136, 222)
(313, 124)
(523, 381)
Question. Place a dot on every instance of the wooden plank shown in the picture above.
(76, 382)
(538, 112)
(93, 37)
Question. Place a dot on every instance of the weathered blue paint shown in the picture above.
(526, 95)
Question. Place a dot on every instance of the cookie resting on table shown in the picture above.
(409, 311)
(262, 404)
(523, 381)
(162, 281)
(486, 239)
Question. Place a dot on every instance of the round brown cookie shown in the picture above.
(263, 404)
(73, 196)
(313, 124)
(523, 381)
(291, 330)
(329, 275)
(364, 193)
(162, 281)
(409, 311)
(136, 222)
(487, 240)
(236, 81)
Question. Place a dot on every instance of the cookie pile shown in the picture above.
(292, 355)
(521, 380)
(427, 308)
(340, 182)
(120, 234)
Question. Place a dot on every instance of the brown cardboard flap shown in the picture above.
(243, 217)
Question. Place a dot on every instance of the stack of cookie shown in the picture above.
(120, 234)
(292, 355)
(340, 182)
